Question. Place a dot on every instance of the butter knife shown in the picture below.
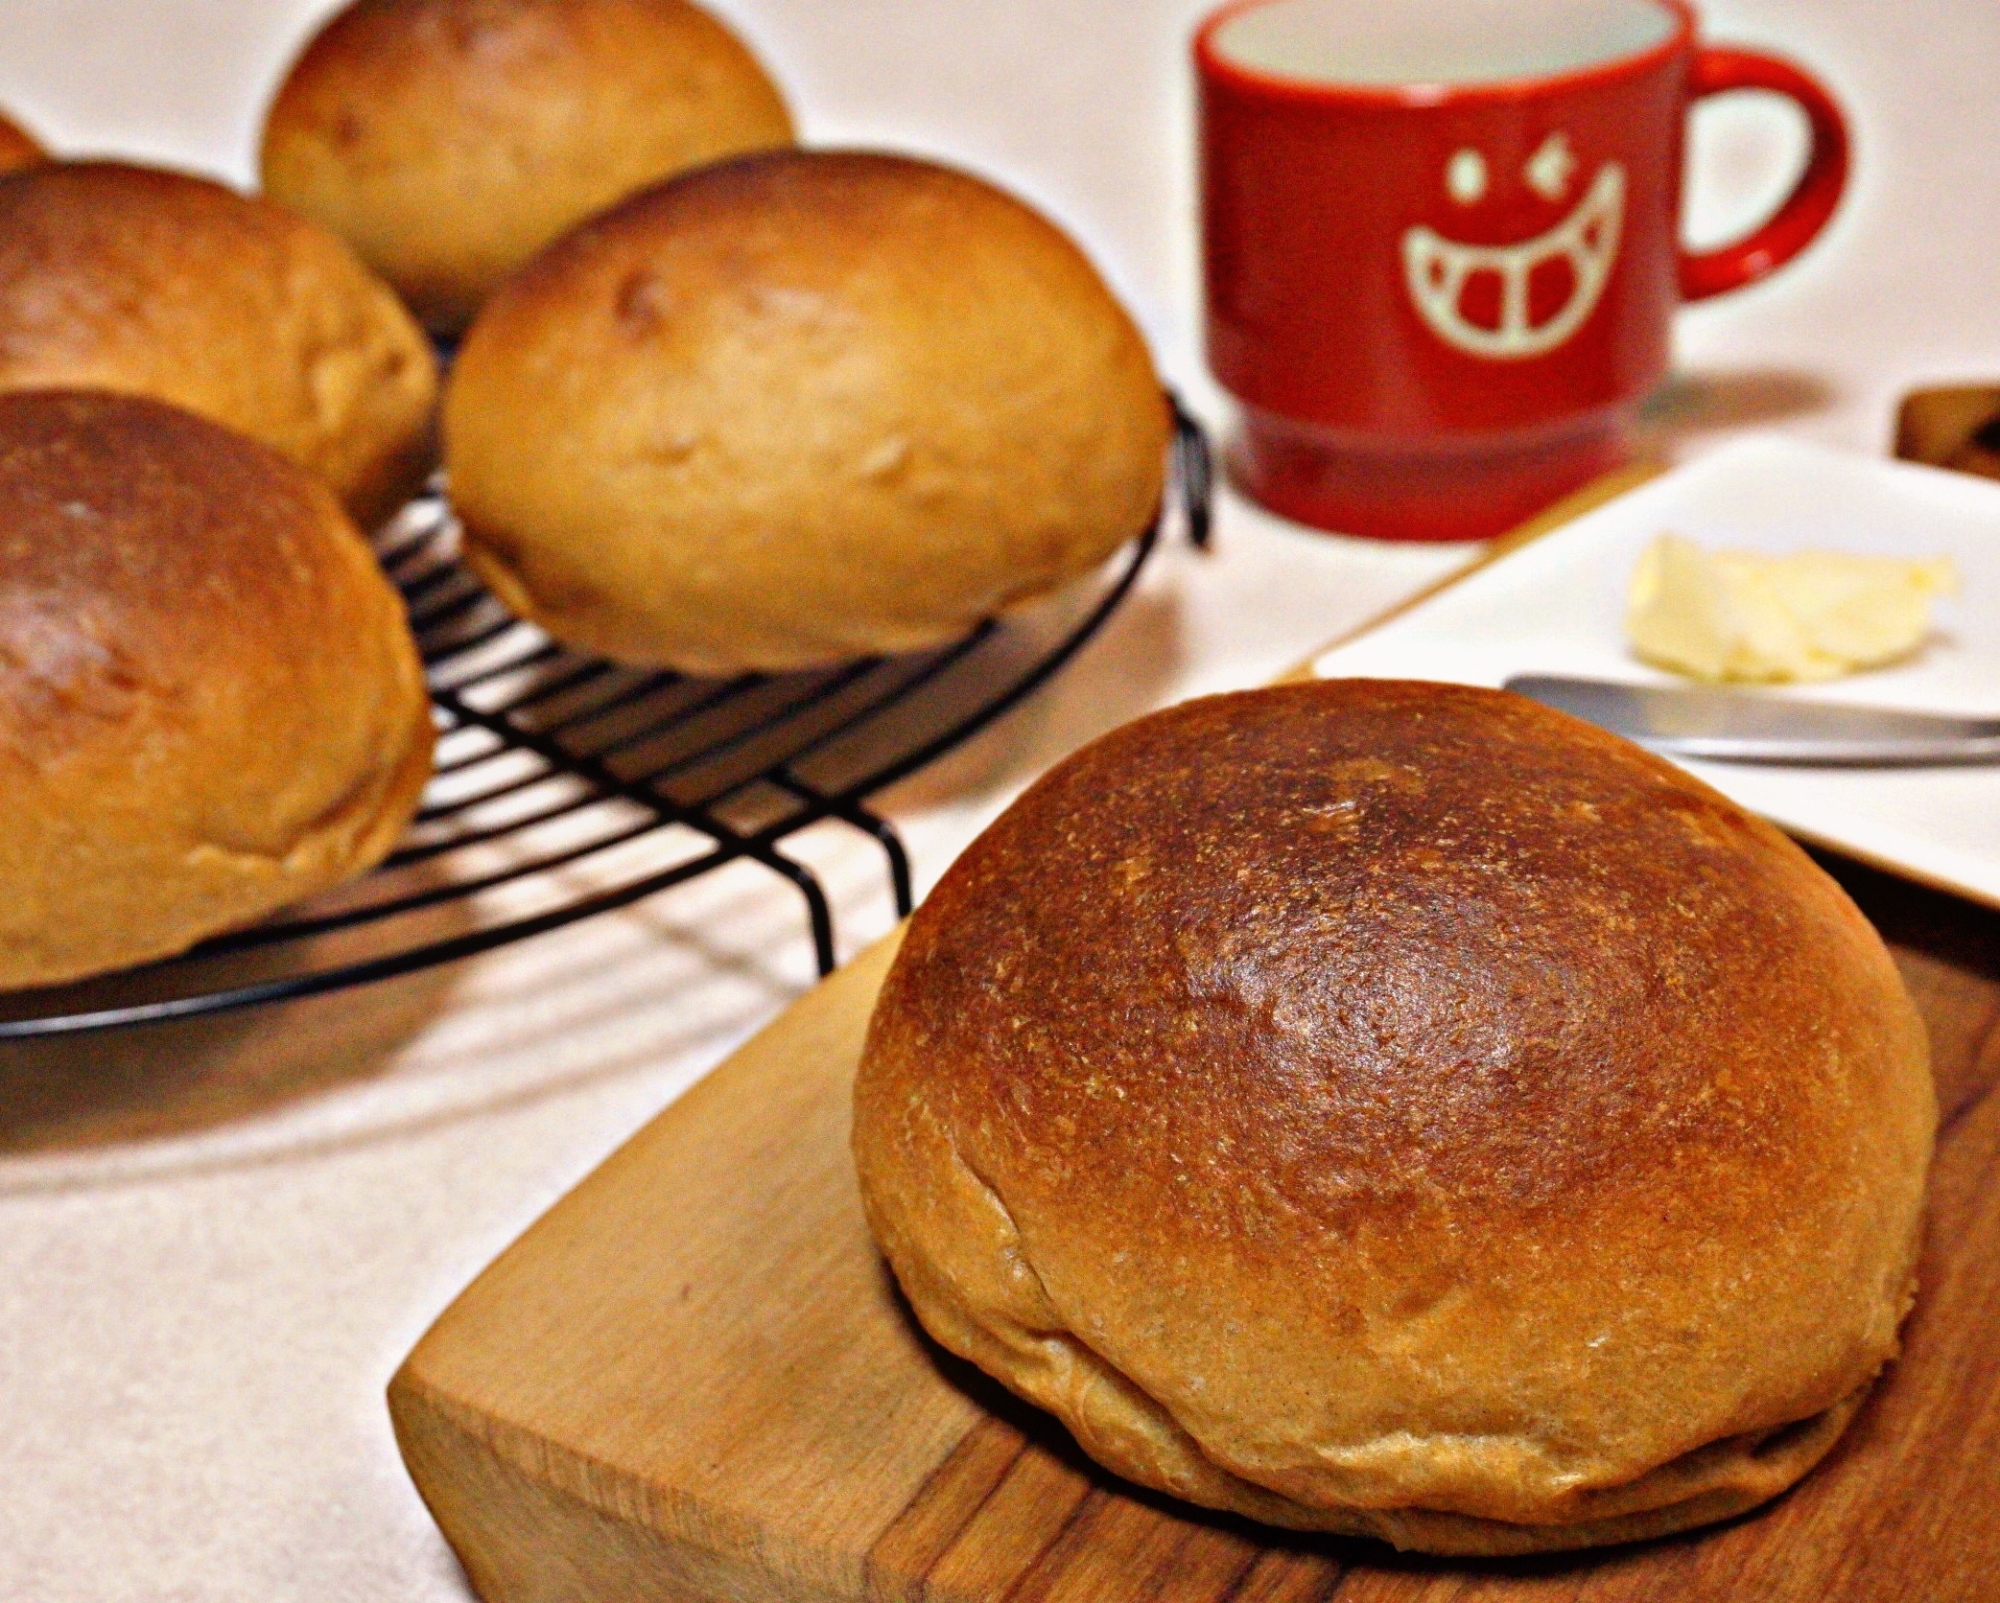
(1742, 726)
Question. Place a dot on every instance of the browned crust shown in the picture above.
(159, 283)
(210, 702)
(449, 140)
(799, 407)
(1399, 1108)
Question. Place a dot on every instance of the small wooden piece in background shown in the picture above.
(1952, 428)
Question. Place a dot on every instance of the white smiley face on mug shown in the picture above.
(1439, 270)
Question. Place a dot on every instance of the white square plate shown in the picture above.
(1557, 606)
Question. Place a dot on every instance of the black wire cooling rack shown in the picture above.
(567, 786)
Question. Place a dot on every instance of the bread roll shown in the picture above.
(210, 703)
(797, 408)
(1402, 1110)
(18, 147)
(155, 283)
(449, 140)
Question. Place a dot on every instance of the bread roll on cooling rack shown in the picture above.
(210, 702)
(800, 407)
(449, 140)
(158, 283)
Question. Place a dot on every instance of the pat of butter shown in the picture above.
(1739, 615)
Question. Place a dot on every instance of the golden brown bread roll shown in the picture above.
(1402, 1110)
(18, 147)
(210, 703)
(157, 283)
(449, 140)
(796, 408)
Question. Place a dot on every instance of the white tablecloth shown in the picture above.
(215, 1246)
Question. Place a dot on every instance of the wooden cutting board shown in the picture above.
(693, 1379)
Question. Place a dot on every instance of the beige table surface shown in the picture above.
(216, 1245)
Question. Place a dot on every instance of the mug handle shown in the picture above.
(1716, 71)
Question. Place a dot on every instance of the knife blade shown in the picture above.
(1725, 725)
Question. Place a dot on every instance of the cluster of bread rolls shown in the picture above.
(721, 404)
(1382, 1109)
(761, 413)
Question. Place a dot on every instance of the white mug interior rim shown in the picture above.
(1401, 44)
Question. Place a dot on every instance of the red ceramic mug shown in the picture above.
(1442, 243)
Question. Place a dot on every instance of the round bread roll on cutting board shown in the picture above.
(449, 140)
(210, 703)
(798, 408)
(159, 283)
(18, 147)
(1402, 1110)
